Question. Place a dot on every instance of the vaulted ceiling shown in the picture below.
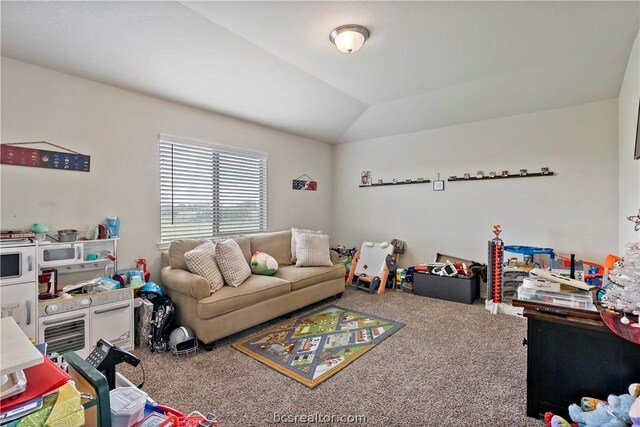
(426, 65)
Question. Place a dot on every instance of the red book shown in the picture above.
(41, 379)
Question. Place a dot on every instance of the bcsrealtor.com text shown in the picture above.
(318, 418)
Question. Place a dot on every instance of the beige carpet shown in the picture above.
(451, 365)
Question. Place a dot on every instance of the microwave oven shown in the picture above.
(59, 254)
(17, 263)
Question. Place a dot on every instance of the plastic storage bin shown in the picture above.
(458, 289)
(575, 299)
(127, 406)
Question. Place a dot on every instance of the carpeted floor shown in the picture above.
(451, 365)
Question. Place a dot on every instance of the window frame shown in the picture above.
(225, 150)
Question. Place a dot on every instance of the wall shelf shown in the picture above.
(426, 181)
(487, 178)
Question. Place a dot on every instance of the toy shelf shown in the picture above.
(487, 178)
(426, 181)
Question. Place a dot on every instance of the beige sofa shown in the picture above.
(258, 299)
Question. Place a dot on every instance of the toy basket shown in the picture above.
(195, 419)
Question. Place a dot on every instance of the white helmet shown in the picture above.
(183, 341)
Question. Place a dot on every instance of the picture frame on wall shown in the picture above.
(365, 178)
(438, 185)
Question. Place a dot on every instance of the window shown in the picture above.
(210, 190)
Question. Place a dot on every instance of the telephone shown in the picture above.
(105, 356)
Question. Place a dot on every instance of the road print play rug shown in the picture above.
(316, 345)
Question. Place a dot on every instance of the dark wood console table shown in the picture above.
(573, 356)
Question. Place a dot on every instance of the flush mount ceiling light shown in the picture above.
(349, 38)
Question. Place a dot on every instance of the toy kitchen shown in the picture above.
(62, 292)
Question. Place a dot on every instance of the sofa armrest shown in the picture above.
(334, 256)
(184, 282)
(164, 259)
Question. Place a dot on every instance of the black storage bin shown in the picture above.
(458, 289)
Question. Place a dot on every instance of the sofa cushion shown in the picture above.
(231, 262)
(254, 290)
(308, 276)
(312, 250)
(202, 261)
(276, 244)
(178, 248)
(245, 246)
(295, 232)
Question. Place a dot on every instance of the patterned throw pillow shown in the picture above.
(232, 263)
(313, 250)
(295, 232)
(202, 262)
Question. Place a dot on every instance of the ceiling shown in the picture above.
(426, 65)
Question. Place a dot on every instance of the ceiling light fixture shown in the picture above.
(349, 38)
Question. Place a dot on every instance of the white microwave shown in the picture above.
(18, 263)
(60, 254)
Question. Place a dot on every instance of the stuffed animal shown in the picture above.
(551, 420)
(634, 411)
(264, 264)
(615, 414)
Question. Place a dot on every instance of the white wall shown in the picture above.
(119, 129)
(628, 168)
(575, 211)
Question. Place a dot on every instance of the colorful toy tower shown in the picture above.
(494, 272)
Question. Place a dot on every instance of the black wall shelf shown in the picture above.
(426, 181)
(487, 178)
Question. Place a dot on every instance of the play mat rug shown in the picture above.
(316, 345)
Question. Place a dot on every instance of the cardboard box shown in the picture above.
(459, 289)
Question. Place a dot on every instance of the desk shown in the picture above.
(574, 356)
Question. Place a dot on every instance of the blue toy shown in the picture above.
(615, 414)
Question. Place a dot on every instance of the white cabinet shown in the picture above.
(113, 322)
(19, 302)
(18, 285)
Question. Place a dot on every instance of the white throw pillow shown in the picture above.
(313, 250)
(232, 263)
(202, 261)
(295, 232)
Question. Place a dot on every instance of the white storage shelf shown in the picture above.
(103, 248)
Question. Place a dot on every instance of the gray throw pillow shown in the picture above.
(295, 232)
(202, 262)
(313, 250)
(232, 263)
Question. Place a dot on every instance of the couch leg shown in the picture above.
(339, 295)
(209, 346)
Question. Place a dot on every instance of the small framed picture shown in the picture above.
(505, 174)
(523, 172)
(545, 171)
(453, 178)
(479, 174)
(438, 185)
(394, 181)
(379, 182)
(492, 174)
(408, 181)
(420, 179)
(365, 178)
(467, 175)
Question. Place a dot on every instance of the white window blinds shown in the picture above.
(209, 190)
